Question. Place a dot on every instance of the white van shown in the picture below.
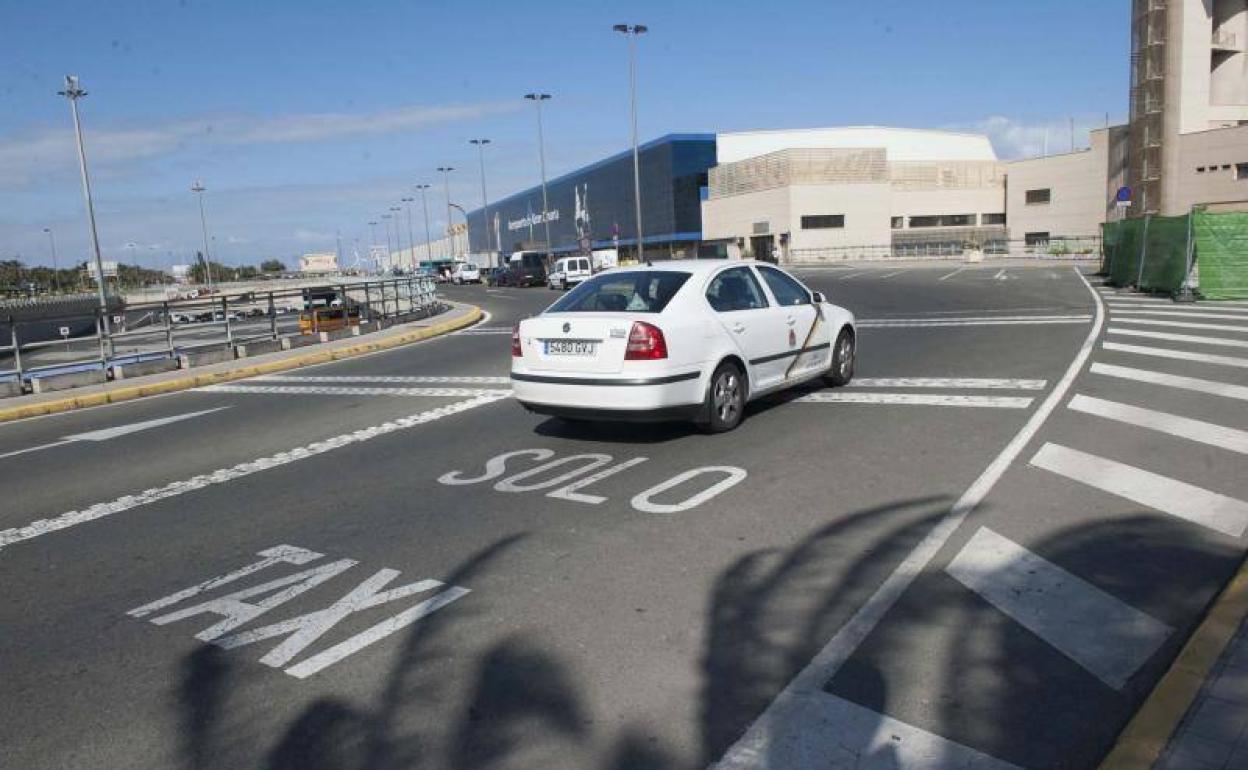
(569, 271)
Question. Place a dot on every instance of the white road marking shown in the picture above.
(733, 476)
(1168, 313)
(916, 399)
(1195, 338)
(785, 724)
(950, 275)
(851, 275)
(589, 462)
(1177, 498)
(474, 332)
(1001, 275)
(1107, 637)
(1211, 387)
(1182, 355)
(971, 383)
(815, 729)
(1184, 427)
(885, 323)
(1118, 319)
(100, 510)
(1170, 308)
(494, 467)
(890, 275)
(570, 491)
(346, 390)
(466, 380)
(115, 432)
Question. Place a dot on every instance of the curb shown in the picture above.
(1146, 735)
(269, 367)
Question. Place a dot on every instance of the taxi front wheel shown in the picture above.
(842, 369)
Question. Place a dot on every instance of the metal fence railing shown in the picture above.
(43, 341)
(1053, 248)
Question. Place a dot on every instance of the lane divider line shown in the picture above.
(970, 383)
(398, 378)
(42, 527)
(916, 399)
(343, 390)
(767, 731)
(269, 367)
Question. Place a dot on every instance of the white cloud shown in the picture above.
(1013, 138)
(23, 158)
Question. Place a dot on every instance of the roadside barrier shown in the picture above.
(1202, 250)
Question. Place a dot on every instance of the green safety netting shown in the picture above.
(1122, 250)
(1222, 254)
(1160, 242)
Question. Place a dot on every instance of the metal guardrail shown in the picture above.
(1053, 248)
(146, 331)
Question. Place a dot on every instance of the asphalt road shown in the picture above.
(816, 577)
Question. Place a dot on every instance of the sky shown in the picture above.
(306, 120)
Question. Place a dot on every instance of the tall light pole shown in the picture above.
(56, 278)
(372, 227)
(485, 201)
(407, 203)
(198, 188)
(424, 201)
(73, 92)
(537, 100)
(389, 243)
(632, 32)
(398, 233)
(446, 184)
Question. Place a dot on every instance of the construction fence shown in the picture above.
(1206, 251)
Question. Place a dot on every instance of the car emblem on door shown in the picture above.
(567, 327)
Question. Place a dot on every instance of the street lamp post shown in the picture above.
(56, 278)
(446, 184)
(485, 201)
(372, 227)
(198, 188)
(424, 201)
(389, 243)
(632, 32)
(398, 233)
(407, 203)
(537, 99)
(73, 92)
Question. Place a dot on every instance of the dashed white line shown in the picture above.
(431, 379)
(345, 390)
(950, 275)
(885, 323)
(1184, 427)
(890, 275)
(971, 383)
(916, 399)
(1194, 338)
(1106, 636)
(1181, 355)
(100, 510)
(1177, 498)
(1212, 387)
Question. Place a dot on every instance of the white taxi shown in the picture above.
(690, 340)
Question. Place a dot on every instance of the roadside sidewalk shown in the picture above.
(459, 316)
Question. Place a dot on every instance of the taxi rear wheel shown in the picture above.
(725, 399)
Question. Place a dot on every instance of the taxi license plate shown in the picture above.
(571, 347)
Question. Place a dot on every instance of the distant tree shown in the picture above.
(273, 266)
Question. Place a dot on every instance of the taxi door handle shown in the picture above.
(738, 328)
(790, 320)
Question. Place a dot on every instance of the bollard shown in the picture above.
(17, 349)
(272, 317)
(168, 329)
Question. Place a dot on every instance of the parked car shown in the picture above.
(569, 272)
(526, 268)
(465, 272)
(686, 340)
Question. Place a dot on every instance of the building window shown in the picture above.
(1036, 197)
(1201, 169)
(1036, 239)
(993, 219)
(1226, 167)
(899, 223)
(822, 221)
(943, 220)
(1241, 170)
(761, 228)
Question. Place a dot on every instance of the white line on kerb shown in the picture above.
(1177, 498)
(1212, 387)
(970, 383)
(125, 503)
(1108, 637)
(751, 750)
(1181, 355)
(916, 399)
(1209, 433)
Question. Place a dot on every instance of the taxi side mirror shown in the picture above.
(817, 297)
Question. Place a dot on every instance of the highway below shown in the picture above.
(986, 550)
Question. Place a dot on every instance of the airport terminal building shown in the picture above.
(593, 207)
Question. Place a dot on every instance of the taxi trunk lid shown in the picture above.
(575, 342)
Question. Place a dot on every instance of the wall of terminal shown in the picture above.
(1213, 170)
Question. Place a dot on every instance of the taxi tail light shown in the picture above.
(516, 352)
(645, 343)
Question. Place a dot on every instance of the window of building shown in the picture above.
(1036, 239)
(899, 223)
(1041, 196)
(993, 219)
(1241, 170)
(822, 221)
(1201, 169)
(1226, 167)
(943, 220)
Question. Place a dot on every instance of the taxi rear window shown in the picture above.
(640, 291)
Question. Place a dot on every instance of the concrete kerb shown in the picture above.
(115, 395)
(1146, 735)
